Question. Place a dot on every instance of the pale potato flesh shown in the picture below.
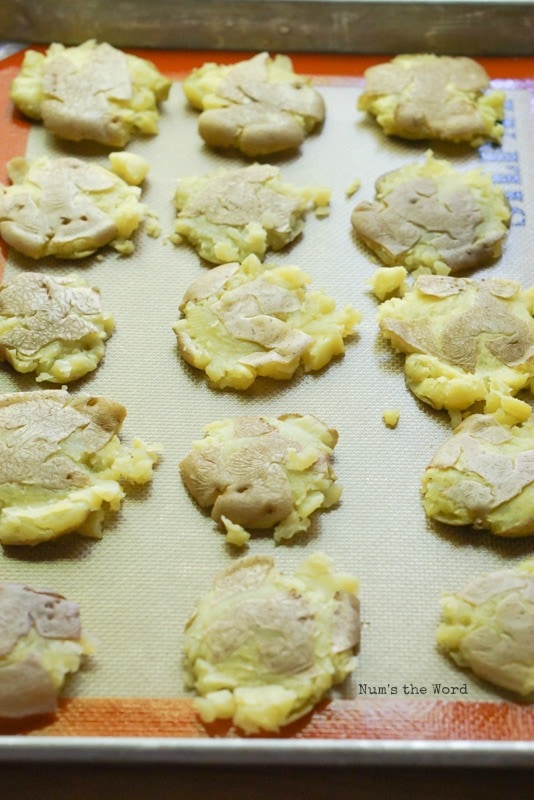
(90, 92)
(241, 321)
(54, 327)
(425, 96)
(488, 626)
(67, 208)
(468, 344)
(41, 642)
(431, 217)
(263, 648)
(263, 473)
(228, 215)
(62, 465)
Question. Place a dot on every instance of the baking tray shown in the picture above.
(452, 27)
(378, 532)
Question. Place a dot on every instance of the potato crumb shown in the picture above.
(391, 417)
(353, 187)
(388, 282)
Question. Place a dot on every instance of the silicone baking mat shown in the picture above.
(138, 585)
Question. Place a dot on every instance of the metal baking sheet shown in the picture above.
(129, 701)
(328, 26)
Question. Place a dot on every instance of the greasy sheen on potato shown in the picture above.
(263, 648)
(263, 472)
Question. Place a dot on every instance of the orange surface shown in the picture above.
(365, 718)
(374, 719)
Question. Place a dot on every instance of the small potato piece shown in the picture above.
(90, 92)
(67, 208)
(228, 215)
(433, 217)
(244, 320)
(54, 327)
(263, 472)
(62, 464)
(263, 648)
(41, 642)
(488, 626)
(258, 106)
(467, 343)
(484, 476)
(426, 96)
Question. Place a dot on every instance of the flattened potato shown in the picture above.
(263, 648)
(244, 320)
(488, 626)
(62, 464)
(92, 91)
(67, 208)
(228, 215)
(484, 476)
(54, 327)
(263, 472)
(258, 106)
(426, 96)
(469, 344)
(41, 642)
(434, 217)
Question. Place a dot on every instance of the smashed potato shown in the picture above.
(67, 208)
(433, 217)
(229, 214)
(91, 91)
(484, 476)
(62, 464)
(242, 321)
(263, 648)
(41, 642)
(258, 106)
(467, 343)
(488, 626)
(54, 327)
(263, 472)
(434, 97)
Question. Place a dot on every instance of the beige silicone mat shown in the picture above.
(138, 584)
